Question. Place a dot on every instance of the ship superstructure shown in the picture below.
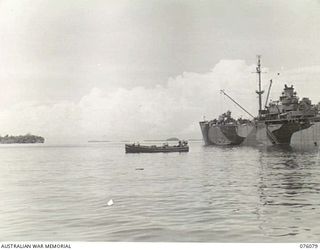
(288, 120)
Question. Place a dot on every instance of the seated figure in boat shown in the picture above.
(182, 143)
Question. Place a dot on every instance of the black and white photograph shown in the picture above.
(159, 121)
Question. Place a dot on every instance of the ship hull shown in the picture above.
(262, 134)
(222, 135)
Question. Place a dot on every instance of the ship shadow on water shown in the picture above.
(277, 148)
(280, 148)
(227, 146)
(287, 190)
(285, 148)
(283, 184)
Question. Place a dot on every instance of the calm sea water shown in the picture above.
(210, 194)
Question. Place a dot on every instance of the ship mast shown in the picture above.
(259, 92)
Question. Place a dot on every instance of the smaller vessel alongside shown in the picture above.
(165, 148)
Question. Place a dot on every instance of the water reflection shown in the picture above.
(211, 194)
(287, 189)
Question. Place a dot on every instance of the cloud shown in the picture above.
(172, 109)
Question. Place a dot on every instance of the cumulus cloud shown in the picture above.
(172, 109)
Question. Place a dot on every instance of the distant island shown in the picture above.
(177, 139)
(28, 138)
(173, 139)
(98, 141)
(169, 139)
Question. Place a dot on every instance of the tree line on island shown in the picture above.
(28, 138)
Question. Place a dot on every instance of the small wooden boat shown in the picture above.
(137, 148)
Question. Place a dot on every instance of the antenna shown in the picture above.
(259, 92)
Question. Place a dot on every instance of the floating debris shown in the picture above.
(110, 202)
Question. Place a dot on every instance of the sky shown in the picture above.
(147, 69)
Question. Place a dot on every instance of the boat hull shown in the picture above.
(130, 148)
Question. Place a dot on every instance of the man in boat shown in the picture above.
(182, 143)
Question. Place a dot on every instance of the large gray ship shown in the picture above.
(287, 121)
